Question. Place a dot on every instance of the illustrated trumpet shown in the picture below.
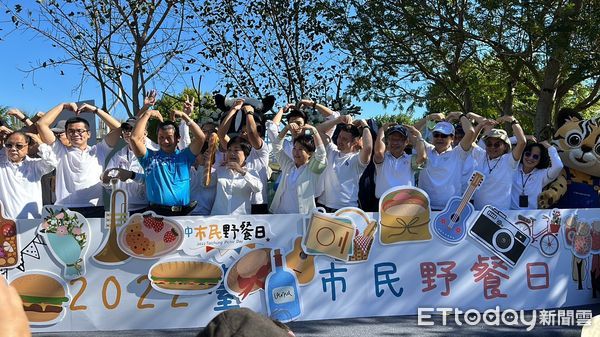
(111, 253)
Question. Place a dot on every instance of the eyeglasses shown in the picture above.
(532, 155)
(495, 145)
(77, 131)
(58, 134)
(16, 146)
(440, 135)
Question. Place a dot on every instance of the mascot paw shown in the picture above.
(547, 198)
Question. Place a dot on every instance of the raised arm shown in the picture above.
(517, 150)
(138, 136)
(18, 114)
(253, 137)
(226, 123)
(326, 126)
(323, 110)
(199, 136)
(43, 124)
(367, 141)
(149, 102)
(380, 143)
(419, 144)
(110, 121)
(438, 117)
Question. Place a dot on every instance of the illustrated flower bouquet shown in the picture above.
(66, 238)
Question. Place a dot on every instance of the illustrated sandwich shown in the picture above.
(186, 275)
(405, 216)
(43, 297)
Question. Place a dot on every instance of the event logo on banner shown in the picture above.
(224, 239)
(404, 215)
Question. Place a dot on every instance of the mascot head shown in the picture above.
(578, 141)
(260, 108)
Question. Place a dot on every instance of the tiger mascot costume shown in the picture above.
(578, 143)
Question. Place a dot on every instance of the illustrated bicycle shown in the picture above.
(548, 237)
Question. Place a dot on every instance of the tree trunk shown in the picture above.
(507, 104)
(545, 103)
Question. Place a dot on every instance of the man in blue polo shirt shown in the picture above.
(168, 169)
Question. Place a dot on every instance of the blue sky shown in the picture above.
(39, 91)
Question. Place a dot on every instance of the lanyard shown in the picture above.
(487, 160)
(524, 181)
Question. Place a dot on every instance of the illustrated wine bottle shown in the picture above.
(283, 303)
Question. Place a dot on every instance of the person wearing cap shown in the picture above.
(346, 161)
(59, 132)
(168, 169)
(78, 184)
(442, 177)
(394, 166)
(497, 162)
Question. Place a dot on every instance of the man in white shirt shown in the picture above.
(442, 176)
(78, 184)
(346, 161)
(394, 167)
(20, 176)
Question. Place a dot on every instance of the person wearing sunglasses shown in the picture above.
(539, 166)
(442, 176)
(393, 165)
(78, 185)
(20, 176)
(498, 162)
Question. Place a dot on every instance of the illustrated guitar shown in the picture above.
(301, 263)
(450, 224)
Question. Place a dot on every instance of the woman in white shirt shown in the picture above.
(236, 185)
(20, 176)
(297, 189)
(539, 166)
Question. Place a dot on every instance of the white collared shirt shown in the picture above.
(21, 189)
(393, 172)
(532, 183)
(78, 174)
(340, 178)
(442, 176)
(235, 191)
(497, 185)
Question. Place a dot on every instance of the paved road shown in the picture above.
(373, 326)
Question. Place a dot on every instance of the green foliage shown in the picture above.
(204, 105)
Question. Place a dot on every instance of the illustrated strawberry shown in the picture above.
(170, 236)
(9, 230)
(156, 224)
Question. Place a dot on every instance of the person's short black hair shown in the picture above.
(352, 129)
(307, 141)
(297, 113)
(166, 125)
(74, 120)
(26, 136)
(244, 144)
(544, 156)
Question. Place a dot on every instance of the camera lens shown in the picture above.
(503, 241)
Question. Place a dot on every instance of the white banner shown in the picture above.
(395, 279)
